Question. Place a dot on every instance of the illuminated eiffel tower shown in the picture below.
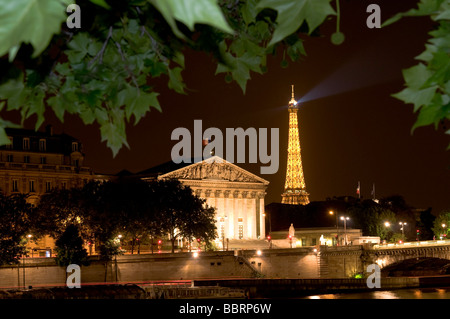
(294, 188)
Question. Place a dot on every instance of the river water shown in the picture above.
(414, 293)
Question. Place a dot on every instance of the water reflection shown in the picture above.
(419, 293)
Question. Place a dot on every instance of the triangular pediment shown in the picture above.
(214, 168)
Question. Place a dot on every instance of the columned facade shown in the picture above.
(237, 195)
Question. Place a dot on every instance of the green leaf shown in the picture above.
(249, 11)
(101, 3)
(112, 129)
(142, 105)
(428, 54)
(87, 115)
(191, 12)
(37, 106)
(57, 105)
(292, 14)
(4, 140)
(416, 97)
(30, 21)
(432, 114)
(176, 81)
(425, 8)
(79, 47)
(137, 102)
(416, 76)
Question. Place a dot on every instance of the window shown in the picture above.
(241, 227)
(48, 186)
(15, 185)
(9, 158)
(42, 145)
(74, 147)
(43, 160)
(64, 185)
(26, 143)
(26, 159)
(31, 185)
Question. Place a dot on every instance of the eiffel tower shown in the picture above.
(294, 188)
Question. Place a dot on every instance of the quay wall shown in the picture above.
(278, 263)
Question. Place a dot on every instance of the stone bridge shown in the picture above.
(345, 261)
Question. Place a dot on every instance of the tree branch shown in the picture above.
(133, 78)
(100, 53)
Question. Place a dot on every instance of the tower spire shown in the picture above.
(294, 188)
(292, 101)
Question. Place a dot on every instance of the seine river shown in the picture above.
(414, 293)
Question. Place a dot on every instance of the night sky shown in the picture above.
(351, 129)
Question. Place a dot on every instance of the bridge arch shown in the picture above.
(386, 257)
(417, 266)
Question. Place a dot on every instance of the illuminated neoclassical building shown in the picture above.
(237, 194)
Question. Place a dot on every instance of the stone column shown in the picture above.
(262, 215)
(229, 212)
(257, 210)
(237, 213)
(251, 213)
(244, 215)
(220, 211)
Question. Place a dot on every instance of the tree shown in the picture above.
(106, 71)
(403, 213)
(70, 249)
(15, 225)
(439, 229)
(102, 216)
(133, 203)
(428, 82)
(425, 224)
(58, 209)
(182, 213)
(371, 217)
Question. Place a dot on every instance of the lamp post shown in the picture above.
(345, 218)
(403, 228)
(387, 225)
(444, 232)
(337, 225)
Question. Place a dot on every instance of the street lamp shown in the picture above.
(444, 232)
(337, 225)
(403, 231)
(345, 218)
(387, 225)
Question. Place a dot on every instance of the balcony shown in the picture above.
(45, 167)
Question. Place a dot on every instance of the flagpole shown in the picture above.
(359, 190)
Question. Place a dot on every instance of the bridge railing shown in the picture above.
(425, 243)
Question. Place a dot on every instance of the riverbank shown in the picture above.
(228, 288)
